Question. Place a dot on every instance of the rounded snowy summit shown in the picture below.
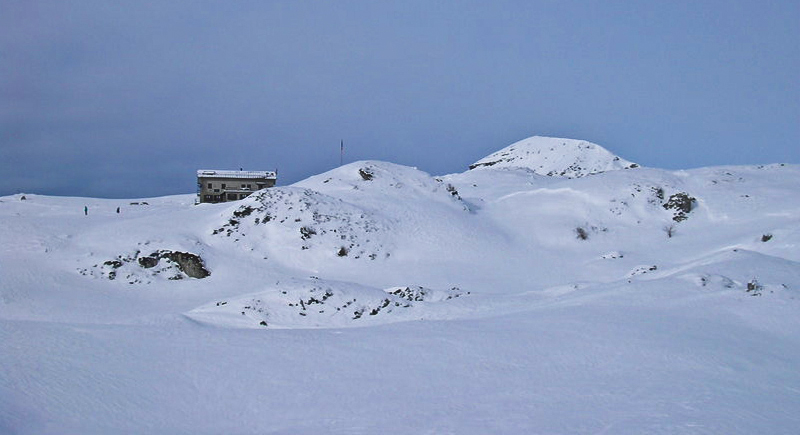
(557, 157)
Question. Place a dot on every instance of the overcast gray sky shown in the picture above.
(128, 98)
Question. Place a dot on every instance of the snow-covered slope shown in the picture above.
(554, 156)
(378, 298)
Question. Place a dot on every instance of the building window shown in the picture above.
(209, 186)
(249, 186)
(208, 198)
(243, 186)
(243, 196)
(216, 190)
(223, 185)
(232, 197)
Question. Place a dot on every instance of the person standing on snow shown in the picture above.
(86, 210)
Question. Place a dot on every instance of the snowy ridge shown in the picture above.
(315, 303)
(555, 157)
(383, 185)
(361, 211)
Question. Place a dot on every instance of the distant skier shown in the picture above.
(86, 210)
(117, 210)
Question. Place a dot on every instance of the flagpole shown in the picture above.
(341, 153)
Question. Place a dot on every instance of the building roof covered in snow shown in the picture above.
(213, 173)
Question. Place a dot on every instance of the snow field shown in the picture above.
(498, 300)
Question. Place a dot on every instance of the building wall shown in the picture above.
(229, 189)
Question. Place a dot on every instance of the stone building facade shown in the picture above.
(222, 186)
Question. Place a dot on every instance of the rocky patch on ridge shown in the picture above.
(137, 268)
(313, 220)
(316, 303)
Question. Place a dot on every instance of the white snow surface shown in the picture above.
(555, 157)
(375, 298)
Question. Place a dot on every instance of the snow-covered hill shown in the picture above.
(554, 156)
(518, 297)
